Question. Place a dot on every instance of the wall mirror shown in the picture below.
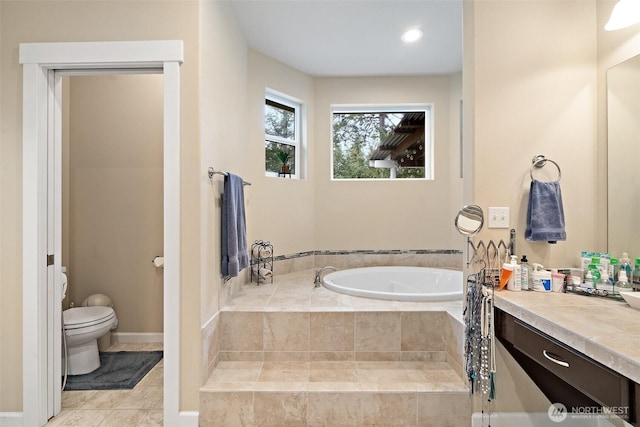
(623, 121)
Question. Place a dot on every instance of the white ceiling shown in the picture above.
(355, 37)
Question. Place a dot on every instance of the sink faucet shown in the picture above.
(318, 278)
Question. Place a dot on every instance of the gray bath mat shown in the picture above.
(119, 370)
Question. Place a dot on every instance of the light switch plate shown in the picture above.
(498, 217)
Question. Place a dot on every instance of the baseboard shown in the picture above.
(188, 418)
(136, 337)
(11, 419)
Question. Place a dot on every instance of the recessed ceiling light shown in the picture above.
(412, 35)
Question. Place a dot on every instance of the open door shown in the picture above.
(42, 208)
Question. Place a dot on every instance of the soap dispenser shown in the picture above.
(514, 283)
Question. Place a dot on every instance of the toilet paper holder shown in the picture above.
(158, 261)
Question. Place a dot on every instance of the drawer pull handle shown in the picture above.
(554, 359)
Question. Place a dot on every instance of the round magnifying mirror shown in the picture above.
(469, 220)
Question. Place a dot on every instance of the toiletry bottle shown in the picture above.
(604, 286)
(625, 264)
(613, 270)
(635, 281)
(514, 283)
(524, 274)
(622, 285)
(588, 283)
(595, 262)
(595, 275)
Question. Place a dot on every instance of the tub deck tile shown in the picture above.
(334, 376)
(295, 292)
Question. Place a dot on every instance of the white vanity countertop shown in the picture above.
(604, 329)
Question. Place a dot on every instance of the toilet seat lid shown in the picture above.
(80, 317)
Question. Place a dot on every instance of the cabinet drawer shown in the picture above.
(600, 383)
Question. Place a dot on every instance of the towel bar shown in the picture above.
(540, 161)
(213, 172)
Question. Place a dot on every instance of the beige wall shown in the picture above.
(386, 214)
(115, 195)
(456, 198)
(279, 210)
(316, 213)
(223, 107)
(44, 21)
(535, 93)
(533, 90)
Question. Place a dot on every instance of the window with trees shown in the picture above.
(282, 136)
(382, 143)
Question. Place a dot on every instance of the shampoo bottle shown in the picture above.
(514, 283)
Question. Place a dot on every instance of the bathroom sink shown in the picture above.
(632, 298)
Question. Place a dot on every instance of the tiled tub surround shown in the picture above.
(290, 354)
(341, 259)
(437, 258)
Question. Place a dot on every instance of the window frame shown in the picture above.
(428, 110)
(297, 142)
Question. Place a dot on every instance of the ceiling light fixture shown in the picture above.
(412, 35)
(624, 14)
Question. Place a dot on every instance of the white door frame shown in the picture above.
(40, 61)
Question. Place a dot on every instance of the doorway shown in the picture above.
(42, 206)
(112, 197)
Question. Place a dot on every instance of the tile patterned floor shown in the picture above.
(141, 406)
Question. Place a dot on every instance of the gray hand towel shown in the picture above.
(545, 214)
(234, 227)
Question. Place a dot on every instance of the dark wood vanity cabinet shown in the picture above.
(565, 375)
(635, 415)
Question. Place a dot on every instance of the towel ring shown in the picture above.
(539, 161)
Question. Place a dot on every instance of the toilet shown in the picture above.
(82, 328)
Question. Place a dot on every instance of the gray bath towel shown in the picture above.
(234, 227)
(545, 214)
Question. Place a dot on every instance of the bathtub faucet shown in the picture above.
(318, 279)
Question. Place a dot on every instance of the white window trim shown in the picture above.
(427, 108)
(300, 130)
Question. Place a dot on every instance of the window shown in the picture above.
(382, 143)
(282, 136)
